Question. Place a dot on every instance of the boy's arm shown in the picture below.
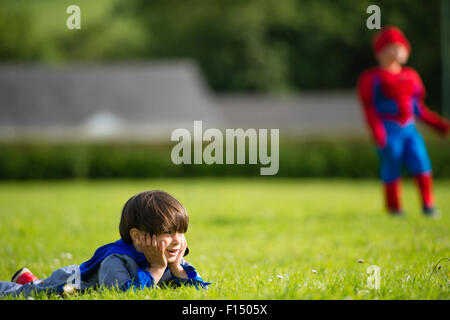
(154, 253)
(440, 124)
(192, 276)
(175, 267)
(114, 271)
(365, 94)
(184, 273)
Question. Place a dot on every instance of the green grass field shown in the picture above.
(252, 238)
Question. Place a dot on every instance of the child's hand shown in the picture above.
(175, 266)
(153, 251)
(181, 252)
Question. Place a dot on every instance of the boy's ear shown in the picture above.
(134, 233)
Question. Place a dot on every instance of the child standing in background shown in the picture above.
(392, 97)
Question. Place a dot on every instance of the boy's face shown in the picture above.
(173, 241)
(393, 53)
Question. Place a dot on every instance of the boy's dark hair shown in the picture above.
(155, 212)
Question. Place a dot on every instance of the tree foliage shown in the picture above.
(241, 45)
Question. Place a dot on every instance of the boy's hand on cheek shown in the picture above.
(154, 251)
(175, 266)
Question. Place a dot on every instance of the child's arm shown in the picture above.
(115, 271)
(175, 267)
(154, 253)
(192, 277)
(183, 272)
(441, 125)
(365, 93)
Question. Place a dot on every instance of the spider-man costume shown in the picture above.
(391, 103)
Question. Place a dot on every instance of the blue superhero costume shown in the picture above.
(115, 264)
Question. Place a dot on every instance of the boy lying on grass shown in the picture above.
(150, 252)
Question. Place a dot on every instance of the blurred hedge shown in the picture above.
(351, 158)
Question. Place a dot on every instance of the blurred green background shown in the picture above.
(253, 45)
(256, 46)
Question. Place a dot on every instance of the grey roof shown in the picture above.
(147, 97)
(150, 100)
(306, 112)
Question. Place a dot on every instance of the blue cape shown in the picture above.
(118, 247)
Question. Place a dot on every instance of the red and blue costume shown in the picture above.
(391, 104)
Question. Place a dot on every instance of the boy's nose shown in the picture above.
(176, 238)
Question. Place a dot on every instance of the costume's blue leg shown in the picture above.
(10, 288)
